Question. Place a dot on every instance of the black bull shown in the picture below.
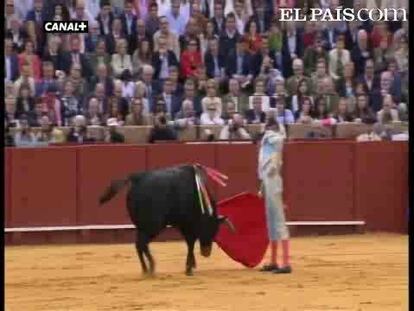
(163, 197)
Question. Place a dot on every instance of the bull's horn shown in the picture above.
(225, 220)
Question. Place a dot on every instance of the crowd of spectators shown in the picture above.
(177, 63)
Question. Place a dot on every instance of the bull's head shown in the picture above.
(209, 228)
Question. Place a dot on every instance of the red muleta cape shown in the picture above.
(249, 243)
(246, 211)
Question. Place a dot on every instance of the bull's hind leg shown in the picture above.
(143, 249)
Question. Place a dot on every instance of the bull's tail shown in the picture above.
(112, 190)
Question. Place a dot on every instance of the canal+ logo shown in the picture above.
(65, 26)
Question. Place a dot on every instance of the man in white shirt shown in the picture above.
(175, 19)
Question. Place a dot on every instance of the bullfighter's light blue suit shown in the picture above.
(270, 163)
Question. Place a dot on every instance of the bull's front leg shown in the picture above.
(190, 263)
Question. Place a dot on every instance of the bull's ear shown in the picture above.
(226, 221)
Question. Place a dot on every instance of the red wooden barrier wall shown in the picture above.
(381, 183)
(42, 187)
(97, 167)
(318, 180)
(323, 180)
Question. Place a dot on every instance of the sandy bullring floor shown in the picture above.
(356, 272)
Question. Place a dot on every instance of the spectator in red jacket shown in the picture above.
(190, 60)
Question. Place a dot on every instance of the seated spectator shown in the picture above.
(137, 116)
(52, 51)
(229, 111)
(259, 90)
(234, 130)
(100, 56)
(163, 59)
(298, 75)
(25, 102)
(10, 111)
(171, 37)
(342, 113)
(275, 39)
(211, 87)
(374, 133)
(213, 61)
(40, 109)
(105, 18)
(321, 109)
(306, 112)
(152, 22)
(11, 62)
(128, 86)
(116, 34)
(143, 55)
(301, 92)
(314, 54)
(382, 54)
(264, 61)
(25, 78)
(75, 57)
(160, 109)
(141, 92)
(172, 101)
(283, 115)
(141, 34)
(24, 135)
(78, 131)
(79, 83)
(217, 17)
(94, 114)
(152, 86)
(71, 105)
(387, 114)
(28, 56)
(401, 54)
(8, 137)
(176, 84)
(361, 51)
(110, 133)
(338, 58)
(252, 37)
(256, 114)
(121, 60)
(161, 130)
(190, 60)
(363, 113)
(48, 79)
(187, 115)
(318, 76)
(235, 96)
(103, 78)
(16, 33)
(122, 102)
(114, 110)
(190, 94)
(176, 19)
(331, 97)
(92, 39)
(48, 133)
(239, 63)
(211, 114)
(206, 36)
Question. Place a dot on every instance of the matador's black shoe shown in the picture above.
(269, 268)
(287, 269)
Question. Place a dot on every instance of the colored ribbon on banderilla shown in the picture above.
(201, 188)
